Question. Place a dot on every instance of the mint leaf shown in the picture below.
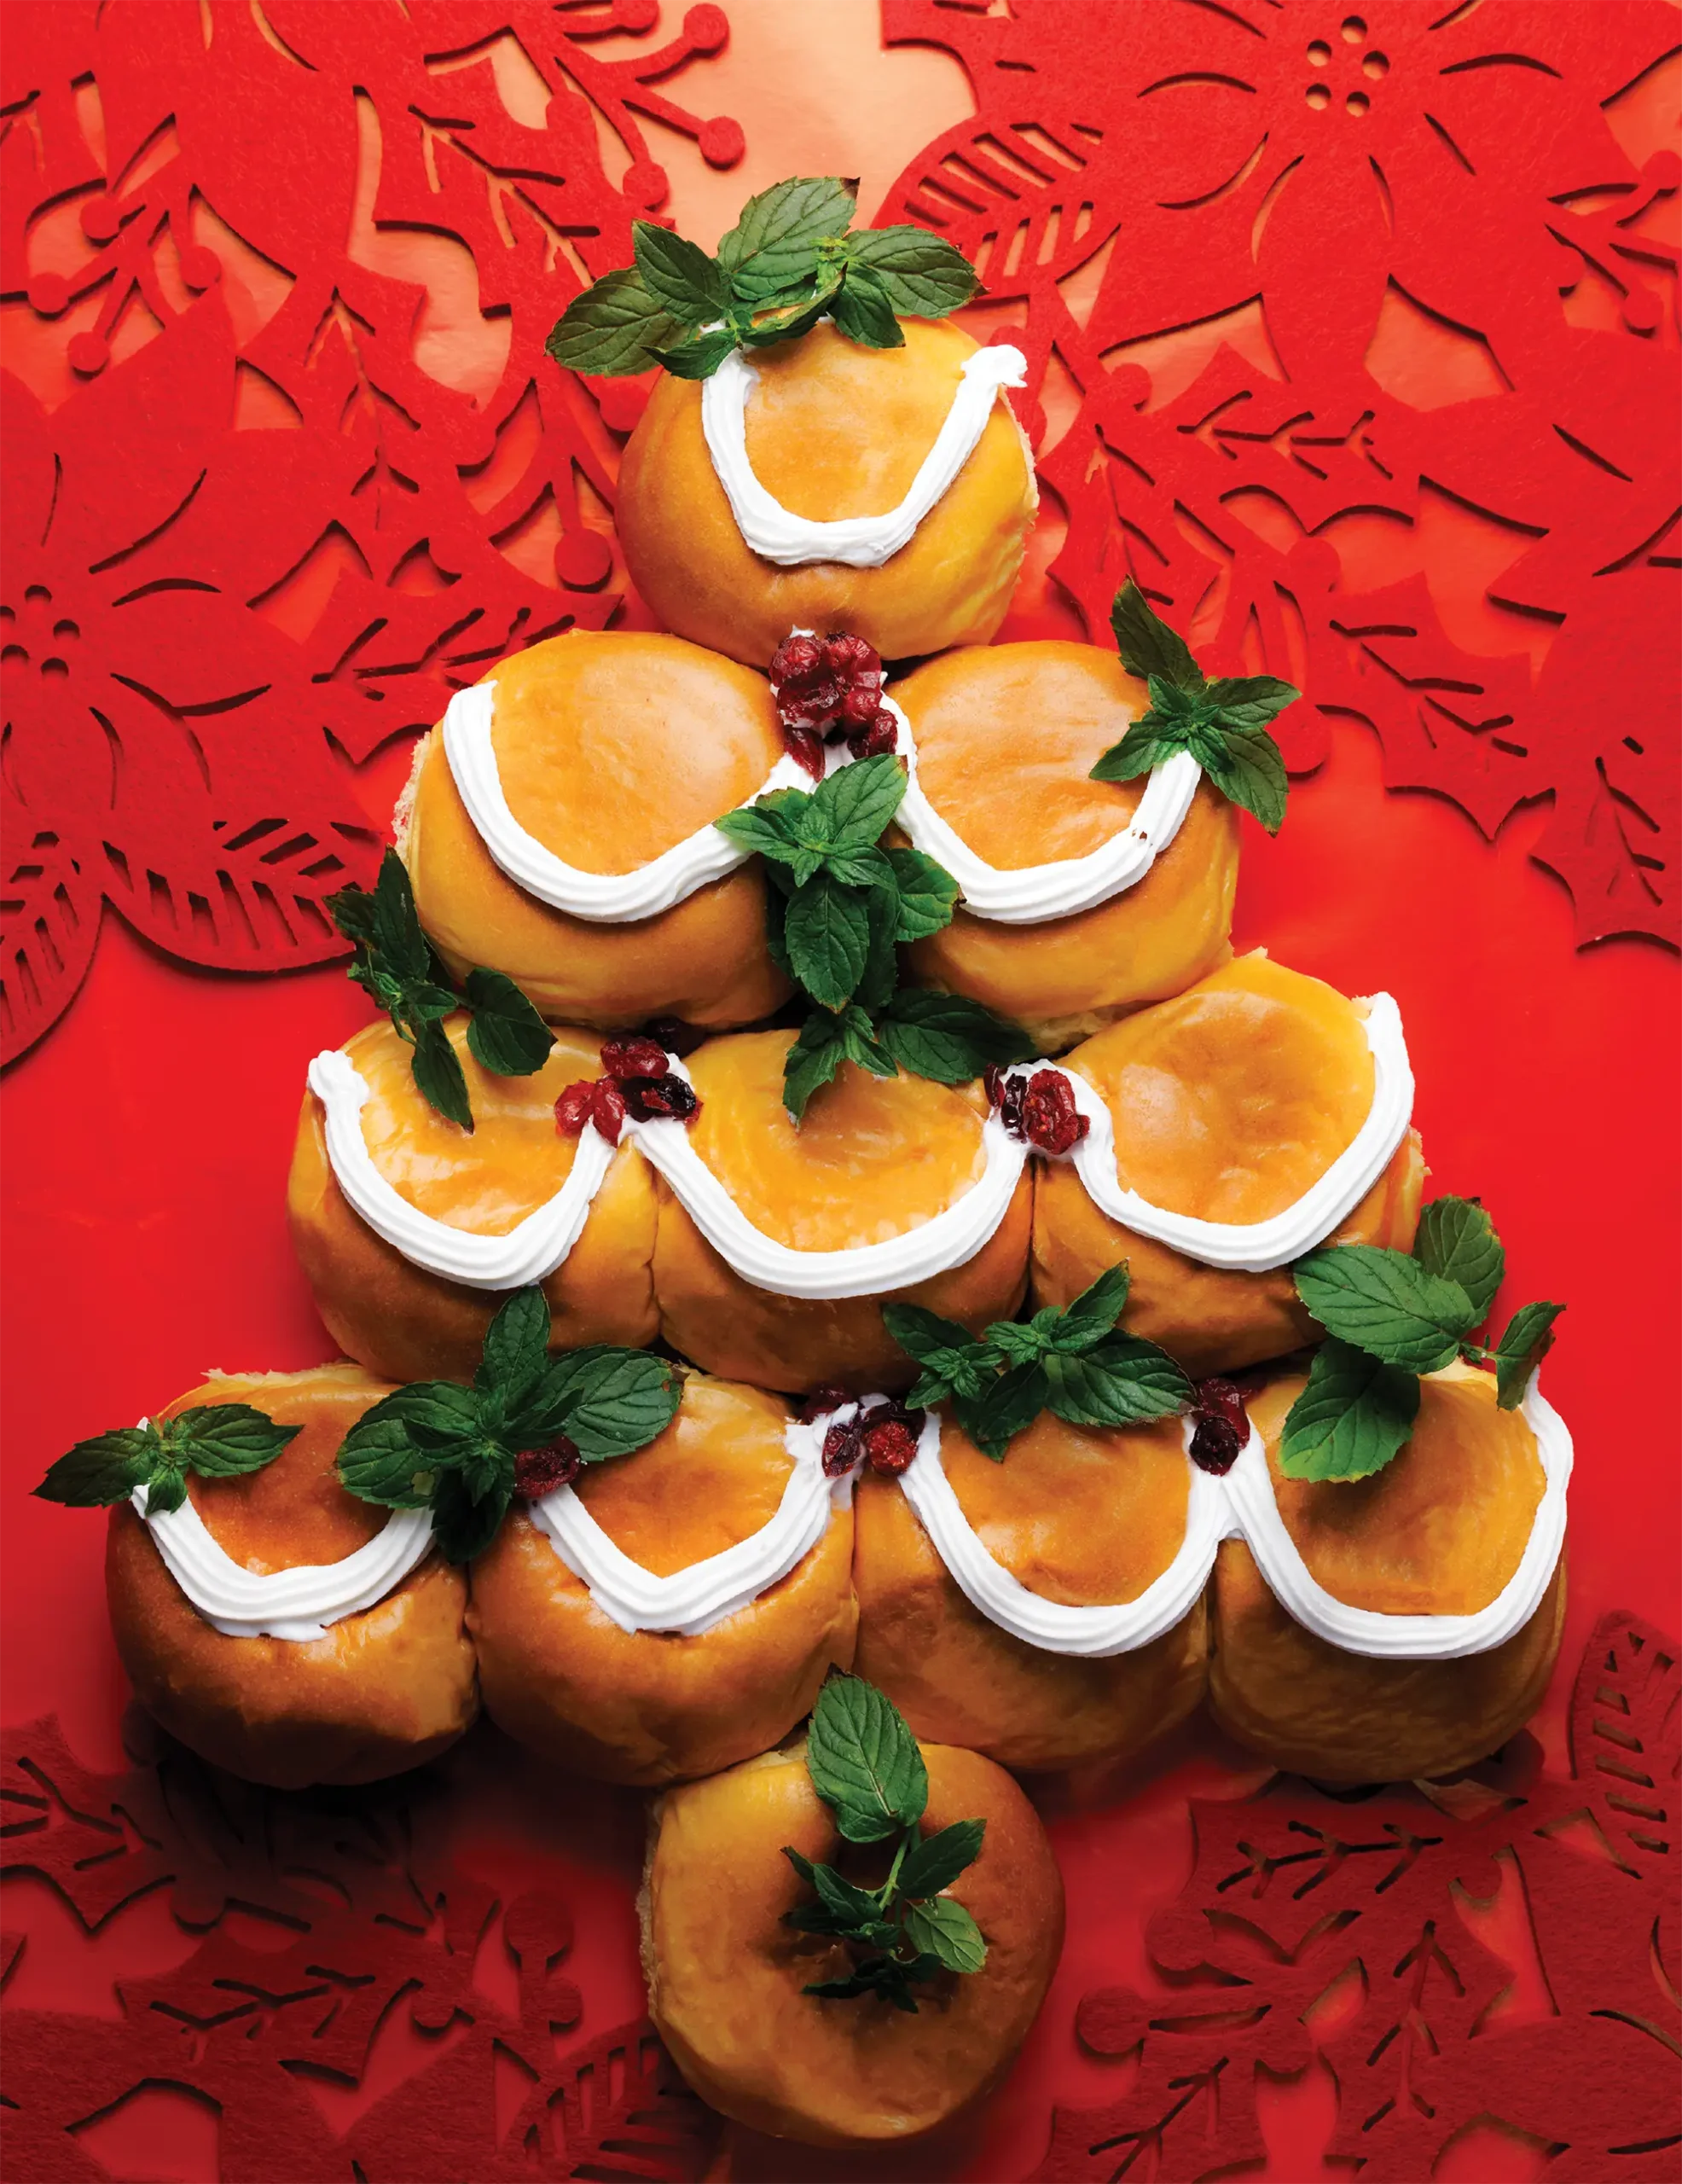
(104, 1469)
(1351, 1417)
(1248, 768)
(928, 894)
(947, 1037)
(1250, 701)
(863, 1760)
(1147, 645)
(763, 830)
(936, 1861)
(826, 933)
(1386, 1303)
(438, 1071)
(225, 1440)
(679, 274)
(861, 868)
(862, 311)
(619, 1403)
(850, 808)
(505, 1034)
(813, 1061)
(920, 274)
(1456, 1241)
(1527, 1339)
(1141, 748)
(697, 356)
(1123, 1381)
(1086, 1319)
(774, 243)
(396, 923)
(516, 1351)
(954, 1364)
(788, 323)
(166, 1490)
(380, 1461)
(613, 328)
(465, 1523)
(1012, 1402)
(942, 1928)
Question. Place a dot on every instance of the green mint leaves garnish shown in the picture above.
(217, 1440)
(1073, 1363)
(865, 1764)
(840, 907)
(1223, 723)
(456, 1450)
(1391, 1316)
(788, 262)
(399, 968)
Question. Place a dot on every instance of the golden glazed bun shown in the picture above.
(1082, 1517)
(410, 1324)
(872, 1158)
(725, 1975)
(612, 748)
(651, 1707)
(1007, 738)
(832, 430)
(1229, 1102)
(1438, 1531)
(382, 1691)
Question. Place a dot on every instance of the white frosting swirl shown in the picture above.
(1036, 893)
(693, 1600)
(855, 542)
(299, 1603)
(597, 897)
(1241, 1506)
(1257, 1246)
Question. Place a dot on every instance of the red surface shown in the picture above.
(148, 1136)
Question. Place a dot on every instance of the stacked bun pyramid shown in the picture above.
(823, 1220)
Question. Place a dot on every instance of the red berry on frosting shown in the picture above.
(637, 1057)
(796, 655)
(879, 737)
(820, 1403)
(647, 1097)
(538, 1472)
(607, 1110)
(890, 1446)
(1215, 1441)
(842, 1446)
(850, 659)
(574, 1108)
(1050, 1120)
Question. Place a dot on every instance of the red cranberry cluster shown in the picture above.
(634, 1081)
(1222, 1425)
(538, 1472)
(1038, 1110)
(883, 1435)
(829, 690)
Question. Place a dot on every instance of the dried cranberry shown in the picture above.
(1050, 1120)
(538, 1472)
(1215, 1441)
(890, 1446)
(1007, 1095)
(646, 1097)
(880, 737)
(859, 707)
(820, 683)
(820, 1403)
(607, 1110)
(842, 1446)
(850, 658)
(1218, 1398)
(797, 655)
(623, 1058)
(575, 1106)
(673, 1036)
(805, 747)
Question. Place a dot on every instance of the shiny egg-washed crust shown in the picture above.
(1007, 738)
(1229, 1102)
(872, 1158)
(832, 430)
(1084, 1518)
(383, 1691)
(724, 1974)
(1438, 1531)
(613, 747)
(651, 1708)
(396, 1317)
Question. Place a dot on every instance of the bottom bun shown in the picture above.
(725, 1975)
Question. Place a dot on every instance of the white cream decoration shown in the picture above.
(528, 1254)
(299, 1603)
(855, 542)
(693, 1600)
(1037, 893)
(1241, 1506)
(1257, 1246)
(597, 897)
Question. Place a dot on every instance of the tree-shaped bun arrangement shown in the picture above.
(820, 449)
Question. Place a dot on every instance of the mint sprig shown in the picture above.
(456, 1451)
(217, 1440)
(1074, 1362)
(789, 261)
(865, 1764)
(1222, 723)
(840, 908)
(400, 971)
(1391, 1316)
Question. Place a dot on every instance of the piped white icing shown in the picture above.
(1241, 1506)
(857, 542)
(693, 1600)
(528, 1254)
(1257, 1246)
(1037, 893)
(597, 897)
(298, 1604)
